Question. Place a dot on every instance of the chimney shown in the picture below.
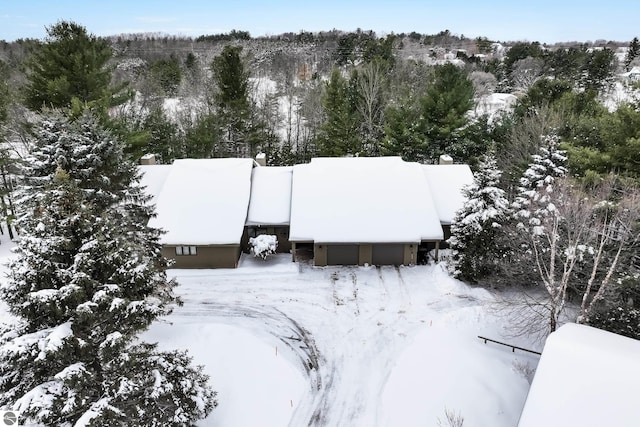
(261, 159)
(446, 159)
(148, 159)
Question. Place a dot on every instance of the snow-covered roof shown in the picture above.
(446, 183)
(633, 73)
(204, 201)
(586, 377)
(153, 178)
(362, 200)
(494, 103)
(270, 202)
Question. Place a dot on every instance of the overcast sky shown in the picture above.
(546, 21)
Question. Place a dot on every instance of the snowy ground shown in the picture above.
(289, 344)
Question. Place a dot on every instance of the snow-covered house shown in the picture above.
(347, 211)
(586, 377)
(357, 211)
(269, 205)
(494, 104)
(202, 206)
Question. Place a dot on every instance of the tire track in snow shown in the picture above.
(271, 320)
(345, 330)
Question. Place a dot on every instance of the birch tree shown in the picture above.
(574, 235)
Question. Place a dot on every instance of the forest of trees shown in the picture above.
(554, 206)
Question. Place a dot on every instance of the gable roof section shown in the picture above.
(153, 178)
(204, 201)
(586, 377)
(362, 200)
(446, 183)
(270, 202)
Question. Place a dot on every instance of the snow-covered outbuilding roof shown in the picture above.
(204, 201)
(153, 178)
(633, 74)
(446, 183)
(270, 202)
(495, 103)
(362, 200)
(586, 377)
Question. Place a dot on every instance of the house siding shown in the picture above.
(214, 256)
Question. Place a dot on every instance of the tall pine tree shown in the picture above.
(88, 280)
(70, 70)
(340, 133)
(232, 100)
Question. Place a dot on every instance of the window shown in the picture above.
(186, 250)
(256, 231)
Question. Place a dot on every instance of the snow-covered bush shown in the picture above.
(263, 245)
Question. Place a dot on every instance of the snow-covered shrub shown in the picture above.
(525, 369)
(264, 245)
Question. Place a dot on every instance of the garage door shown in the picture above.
(342, 255)
(387, 254)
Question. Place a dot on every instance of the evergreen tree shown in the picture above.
(598, 69)
(403, 136)
(444, 108)
(89, 278)
(475, 252)
(201, 139)
(434, 125)
(70, 69)
(339, 134)
(4, 92)
(632, 53)
(167, 75)
(520, 51)
(158, 135)
(232, 99)
(7, 161)
(565, 64)
(534, 202)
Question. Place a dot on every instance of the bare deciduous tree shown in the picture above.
(370, 103)
(524, 141)
(483, 83)
(525, 72)
(579, 232)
